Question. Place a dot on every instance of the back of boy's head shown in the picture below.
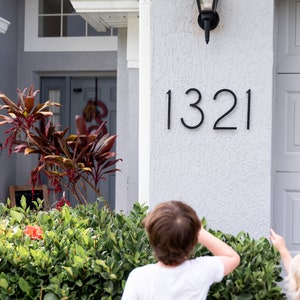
(172, 228)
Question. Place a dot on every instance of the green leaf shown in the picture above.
(80, 251)
(16, 215)
(102, 264)
(23, 252)
(69, 270)
(23, 285)
(23, 202)
(79, 262)
(50, 296)
(3, 283)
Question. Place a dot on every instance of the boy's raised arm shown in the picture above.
(229, 257)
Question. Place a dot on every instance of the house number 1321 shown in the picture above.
(196, 105)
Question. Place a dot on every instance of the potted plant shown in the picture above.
(71, 161)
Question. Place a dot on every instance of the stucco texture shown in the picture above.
(224, 174)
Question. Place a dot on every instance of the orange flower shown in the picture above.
(35, 232)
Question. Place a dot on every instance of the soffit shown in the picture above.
(102, 14)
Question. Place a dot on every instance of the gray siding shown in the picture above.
(21, 69)
(8, 84)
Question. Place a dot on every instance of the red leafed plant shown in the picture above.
(71, 161)
(62, 201)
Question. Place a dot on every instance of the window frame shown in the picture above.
(60, 44)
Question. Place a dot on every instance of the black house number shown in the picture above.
(196, 105)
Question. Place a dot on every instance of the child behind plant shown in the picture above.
(291, 265)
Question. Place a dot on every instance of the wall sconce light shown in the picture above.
(3, 25)
(208, 18)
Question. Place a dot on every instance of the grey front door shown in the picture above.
(75, 94)
(287, 178)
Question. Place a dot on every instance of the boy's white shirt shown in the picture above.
(189, 281)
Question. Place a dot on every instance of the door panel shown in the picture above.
(287, 208)
(289, 36)
(287, 126)
(288, 123)
(287, 178)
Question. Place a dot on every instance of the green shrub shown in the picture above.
(258, 274)
(87, 252)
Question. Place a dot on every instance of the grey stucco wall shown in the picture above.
(8, 82)
(224, 174)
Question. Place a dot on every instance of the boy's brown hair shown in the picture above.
(173, 229)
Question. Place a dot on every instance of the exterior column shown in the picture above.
(144, 99)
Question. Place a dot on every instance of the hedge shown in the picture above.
(87, 252)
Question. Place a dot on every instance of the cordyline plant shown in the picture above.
(72, 161)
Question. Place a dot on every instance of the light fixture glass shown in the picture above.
(3, 25)
(206, 4)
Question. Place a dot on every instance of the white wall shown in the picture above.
(224, 174)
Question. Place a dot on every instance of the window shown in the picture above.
(55, 96)
(54, 26)
(57, 18)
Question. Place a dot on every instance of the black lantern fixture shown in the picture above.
(208, 18)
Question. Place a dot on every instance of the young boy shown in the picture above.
(174, 229)
(291, 265)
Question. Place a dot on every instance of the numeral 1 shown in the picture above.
(169, 109)
(248, 108)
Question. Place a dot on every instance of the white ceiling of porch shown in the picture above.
(102, 14)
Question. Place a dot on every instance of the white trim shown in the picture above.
(106, 19)
(63, 44)
(133, 64)
(133, 43)
(105, 5)
(144, 100)
(111, 13)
